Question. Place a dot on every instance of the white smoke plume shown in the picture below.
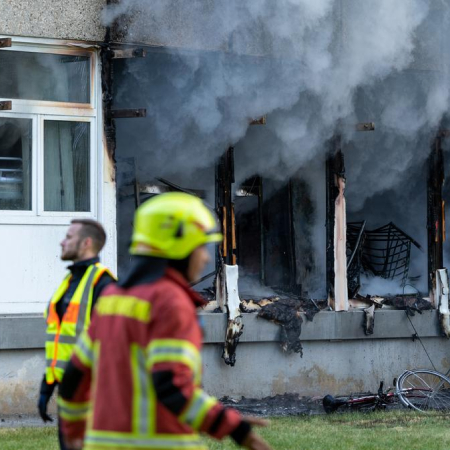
(315, 55)
(381, 286)
(313, 67)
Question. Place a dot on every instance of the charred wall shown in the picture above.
(201, 93)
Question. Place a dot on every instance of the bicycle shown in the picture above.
(422, 390)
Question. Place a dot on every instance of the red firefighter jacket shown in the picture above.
(134, 378)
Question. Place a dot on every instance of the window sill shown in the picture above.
(27, 331)
(329, 326)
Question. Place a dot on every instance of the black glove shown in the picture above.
(42, 407)
(45, 395)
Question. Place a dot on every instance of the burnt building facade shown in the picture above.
(319, 137)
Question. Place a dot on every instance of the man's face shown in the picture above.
(71, 244)
(197, 263)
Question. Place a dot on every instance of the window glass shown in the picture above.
(15, 163)
(66, 166)
(44, 76)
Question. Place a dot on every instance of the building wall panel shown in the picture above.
(337, 357)
(57, 19)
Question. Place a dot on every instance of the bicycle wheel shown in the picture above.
(424, 390)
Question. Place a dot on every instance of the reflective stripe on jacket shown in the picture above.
(142, 358)
(62, 335)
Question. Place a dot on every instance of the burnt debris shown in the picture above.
(286, 313)
(414, 302)
(308, 306)
(234, 331)
(410, 303)
(369, 320)
(228, 299)
(278, 405)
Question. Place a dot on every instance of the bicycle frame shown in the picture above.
(374, 401)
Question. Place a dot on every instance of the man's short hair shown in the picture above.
(93, 229)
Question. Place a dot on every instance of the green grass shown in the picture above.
(27, 438)
(397, 430)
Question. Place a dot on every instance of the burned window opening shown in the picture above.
(268, 225)
(391, 259)
(279, 245)
(265, 230)
(250, 230)
(384, 252)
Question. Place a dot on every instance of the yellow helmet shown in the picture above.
(172, 226)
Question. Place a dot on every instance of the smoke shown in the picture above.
(312, 58)
(314, 69)
(249, 287)
(59, 78)
(380, 286)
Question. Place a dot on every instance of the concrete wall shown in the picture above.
(326, 367)
(197, 28)
(21, 372)
(338, 358)
(57, 19)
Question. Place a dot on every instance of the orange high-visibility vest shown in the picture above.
(62, 335)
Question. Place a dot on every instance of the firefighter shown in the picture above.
(135, 375)
(69, 311)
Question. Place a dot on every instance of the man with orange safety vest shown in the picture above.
(69, 310)
(134, 379)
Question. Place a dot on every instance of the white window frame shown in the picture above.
(92, 166)
(39, 111)
(52, 107)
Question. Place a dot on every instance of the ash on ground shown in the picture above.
(278, 405)
(24, 420)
